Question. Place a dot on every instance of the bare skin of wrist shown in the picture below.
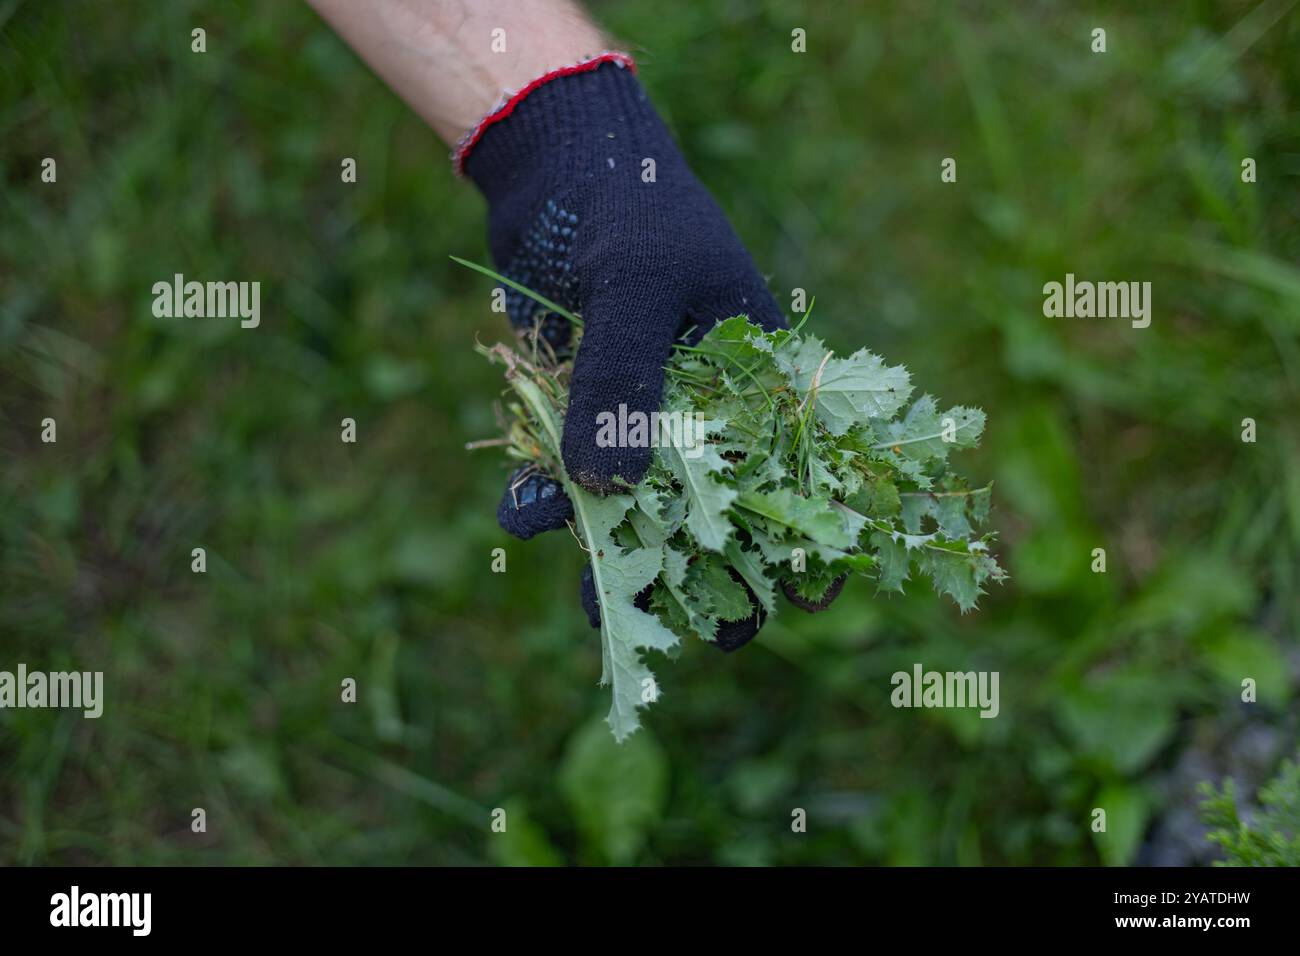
(444, 58)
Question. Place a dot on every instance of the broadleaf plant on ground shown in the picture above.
(803, 468)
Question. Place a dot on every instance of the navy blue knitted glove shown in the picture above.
(592, 206)
(573, 217)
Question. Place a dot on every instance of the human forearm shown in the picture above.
(443, 58)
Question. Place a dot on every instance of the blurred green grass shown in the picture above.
(371, 560)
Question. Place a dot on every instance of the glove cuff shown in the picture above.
(510, 101)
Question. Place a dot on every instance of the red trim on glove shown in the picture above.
(467, 142)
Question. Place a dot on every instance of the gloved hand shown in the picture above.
(592, 206)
